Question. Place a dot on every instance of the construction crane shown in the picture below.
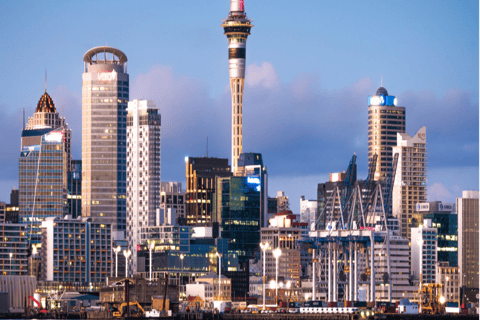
(390, 182)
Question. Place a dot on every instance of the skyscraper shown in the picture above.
(410, 185)
(104, 143)
(143, 169)
(237, 28)
(201, 174)
(385, 120)
(43, 165)
(468, 258)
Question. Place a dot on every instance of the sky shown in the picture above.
(311, 66)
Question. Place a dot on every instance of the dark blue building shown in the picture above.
(74, 195)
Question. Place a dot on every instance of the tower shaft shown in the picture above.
(236, 88)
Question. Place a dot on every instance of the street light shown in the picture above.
(264, 246)
(219, 255)
(181, 275)
(127, 254)
(116, 250)
(151, 246)
(277, 253)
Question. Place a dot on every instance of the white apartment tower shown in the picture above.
(143, 171)
(411, 177)
(424, 252)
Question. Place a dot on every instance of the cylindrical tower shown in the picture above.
(237, 28)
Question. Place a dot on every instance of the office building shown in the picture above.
(444, 219)
(424, 252)
(13, 256)
(143, 171)
(449, 277)
(105, 87)
(237, 29)
(410, 185)
(385, 120)
(76, 250)
(468, 258)
(308, 211)
(12, 209)
(74, 193)
(173, 197)
(325, 194)
(283, 232)
(201, 174)
(282, 202)
(225, 285)
(42, 178)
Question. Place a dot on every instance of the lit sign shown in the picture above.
(139, 248)
(54, 137)
(253, 180)
(107, 76)
(423, 206)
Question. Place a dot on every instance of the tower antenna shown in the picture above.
(381, 81)
(45, 79)
(23, 119)
(207, 146)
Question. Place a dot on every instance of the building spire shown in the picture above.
(45, 80)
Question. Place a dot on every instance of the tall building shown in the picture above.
(13, 256)
(237, 29)
(410, 185)
(201, 174)
(104, 140)
(445, 220)
(44, 162)
(424, 252)
(74, 196)
(173, 197)
(385, 120)
(143, 169)
(467, 211)
(76, 250)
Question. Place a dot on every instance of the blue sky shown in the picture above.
(311, 66)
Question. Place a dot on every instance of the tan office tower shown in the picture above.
(468, 258)
(385, 120)
(104, 142)
(237, 28)
(411, 178)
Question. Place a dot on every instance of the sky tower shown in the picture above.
(237, 28)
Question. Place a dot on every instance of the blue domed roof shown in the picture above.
(382, 92)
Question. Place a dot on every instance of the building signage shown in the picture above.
(54, 137)
(423, 206)
(445, 207)
(107, 76)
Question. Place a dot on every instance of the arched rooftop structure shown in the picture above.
(94, 52)
(45, 104)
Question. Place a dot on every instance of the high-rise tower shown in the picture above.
(385, 120)
(104, 139)
(144, 169)
(237, 28)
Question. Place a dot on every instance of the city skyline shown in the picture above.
(424, 61)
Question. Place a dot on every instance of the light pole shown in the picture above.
(277, 253)
(151, 246)
(181, 274)
(219, 255)
(127, 254)
(264, 246)
(11, 271)
(116, 250)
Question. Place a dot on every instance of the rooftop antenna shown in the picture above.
(207, 147)
(23, 119)
(45, 80)
(381, 81)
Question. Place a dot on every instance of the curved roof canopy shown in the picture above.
(122, 58)
(45, 104)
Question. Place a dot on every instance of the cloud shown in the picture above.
(438, 192)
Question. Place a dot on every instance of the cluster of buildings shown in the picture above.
(110, 215)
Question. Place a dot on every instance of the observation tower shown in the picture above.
(237, 29)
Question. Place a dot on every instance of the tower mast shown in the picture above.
(237, 28)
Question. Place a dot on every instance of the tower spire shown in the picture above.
(45, 80)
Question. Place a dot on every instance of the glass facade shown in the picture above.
(74, 196)
(238, 207)
(42, 178)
